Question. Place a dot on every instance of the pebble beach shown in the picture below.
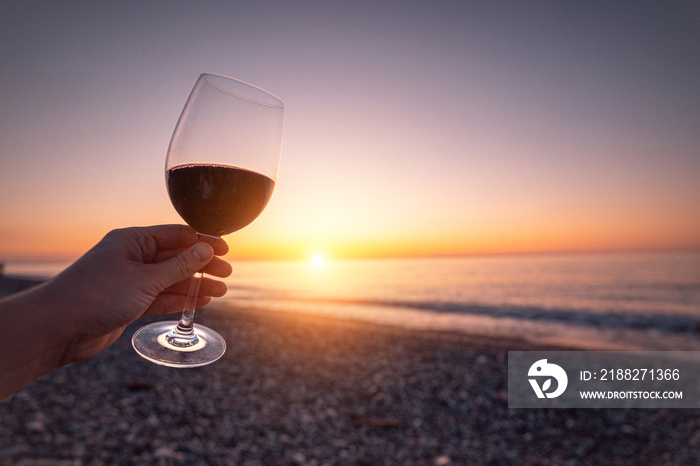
(303, 389)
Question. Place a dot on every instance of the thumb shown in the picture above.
(184, 265)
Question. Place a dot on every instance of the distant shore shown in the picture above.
(13, 284)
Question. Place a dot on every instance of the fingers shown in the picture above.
(209, 287)
(173, 299)
(170, 236)
(218, 268)
(220, 248)
(180, 237)
(182, 266)
(169, 303)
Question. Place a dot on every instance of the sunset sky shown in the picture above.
(411, 128)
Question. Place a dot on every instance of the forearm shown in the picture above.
(31, 339)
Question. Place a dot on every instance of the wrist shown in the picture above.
(33, 340)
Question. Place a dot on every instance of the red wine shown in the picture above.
(217, 199)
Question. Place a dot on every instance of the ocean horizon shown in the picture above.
(645, 300)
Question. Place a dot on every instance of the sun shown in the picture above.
(317, 260)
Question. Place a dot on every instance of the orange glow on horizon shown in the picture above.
(339, 226)
(66, 241)
(489, 244)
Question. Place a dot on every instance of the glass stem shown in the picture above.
(186, 324)
(183, 336)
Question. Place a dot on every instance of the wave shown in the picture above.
(676, 323)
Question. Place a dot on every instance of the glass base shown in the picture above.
(155, 342)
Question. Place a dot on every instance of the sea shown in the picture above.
(615, 301)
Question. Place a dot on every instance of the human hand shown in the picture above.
(131, 273)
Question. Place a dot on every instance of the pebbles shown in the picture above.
(297, 389)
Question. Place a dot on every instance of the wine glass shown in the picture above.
(220, 172)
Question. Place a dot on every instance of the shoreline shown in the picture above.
(534, 332)
(10, 284)
(218, 313)
(500, 331)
